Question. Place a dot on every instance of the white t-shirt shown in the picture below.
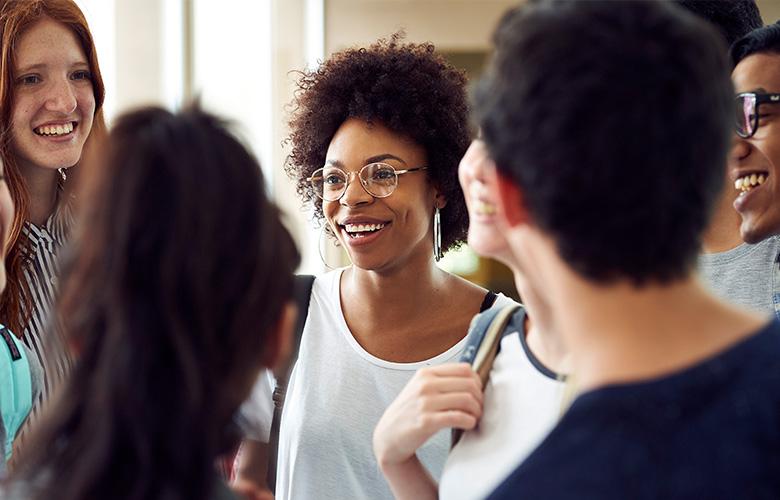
(336, 395)
(523, 402)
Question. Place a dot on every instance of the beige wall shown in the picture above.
(770, 10)
(452, 25)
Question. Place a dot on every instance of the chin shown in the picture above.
(755, 234)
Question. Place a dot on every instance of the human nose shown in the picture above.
(740, 149)
(61, 97)
(355, 193)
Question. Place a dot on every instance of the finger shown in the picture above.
(434, 422)
(448, 369)
(462, 401)
(444, 385)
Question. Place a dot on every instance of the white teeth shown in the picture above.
(362, 228)
(748, 182)
(66, 128)
(484, 208)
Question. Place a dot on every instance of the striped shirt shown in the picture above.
(41, 273)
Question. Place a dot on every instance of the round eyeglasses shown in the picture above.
(747, 111)
(378, 179)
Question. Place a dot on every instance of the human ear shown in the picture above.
(511, 201)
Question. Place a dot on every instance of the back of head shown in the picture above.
(732, 18)
(762, 40)
(181, 269)
(614, 119)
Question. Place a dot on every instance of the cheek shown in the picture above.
(330, 210)
(21, 115)
(86, 103)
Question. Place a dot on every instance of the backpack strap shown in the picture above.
(488, 301)
(16, 394)
(303, 285)
(484, 339)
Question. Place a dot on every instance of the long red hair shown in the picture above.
(16, 16)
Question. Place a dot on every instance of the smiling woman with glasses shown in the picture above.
(376, 140)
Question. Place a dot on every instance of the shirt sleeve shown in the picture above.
(257, 412)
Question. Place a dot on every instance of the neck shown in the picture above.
(548, 348)
(623, 334)
(402, 290)
(723, 232)
(42, 189)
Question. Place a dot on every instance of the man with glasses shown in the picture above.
(734, 270)
(611, 142)
(754, 162)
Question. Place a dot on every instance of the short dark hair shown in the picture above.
(732, 18)
(614, 118)
(408, 88)
(766, 39)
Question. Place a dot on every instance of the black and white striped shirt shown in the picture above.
(41, 274)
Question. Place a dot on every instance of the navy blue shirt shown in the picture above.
(711, 431)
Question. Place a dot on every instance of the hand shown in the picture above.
(437, 397)
(247, 490)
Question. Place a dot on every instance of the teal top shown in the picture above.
(16, 387)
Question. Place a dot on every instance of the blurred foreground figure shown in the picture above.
(609, 124)
(177, 293)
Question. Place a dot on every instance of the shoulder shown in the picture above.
(565, 463)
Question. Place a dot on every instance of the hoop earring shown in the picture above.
(437, 253)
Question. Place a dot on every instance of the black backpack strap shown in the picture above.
(303, 285)
(484, 339)
(487, 303)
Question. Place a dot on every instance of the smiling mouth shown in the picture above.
(750, 181)
(484, 208)
(56, 130)
(355, 231)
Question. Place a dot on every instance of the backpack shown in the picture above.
(16, 394)
(484, 342)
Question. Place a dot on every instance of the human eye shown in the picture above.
(383, 174)
(333, 179)
(81, 74)
(30, 79)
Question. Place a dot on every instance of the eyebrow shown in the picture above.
(371, 159)
(41, 66)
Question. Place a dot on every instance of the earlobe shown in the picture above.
(279, 345)
(440, 201)
(510, 197)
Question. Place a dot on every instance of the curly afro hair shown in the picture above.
(406, 87)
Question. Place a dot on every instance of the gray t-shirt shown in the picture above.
(744, 275)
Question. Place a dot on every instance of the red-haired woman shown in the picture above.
(51, 94)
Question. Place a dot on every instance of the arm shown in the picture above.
(250, 468)
(255, 416)
(435, 398)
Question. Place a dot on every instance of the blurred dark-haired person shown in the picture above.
(754, 160)
(738, 272)
(376, 139)
(176, 294)
(611, 144)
